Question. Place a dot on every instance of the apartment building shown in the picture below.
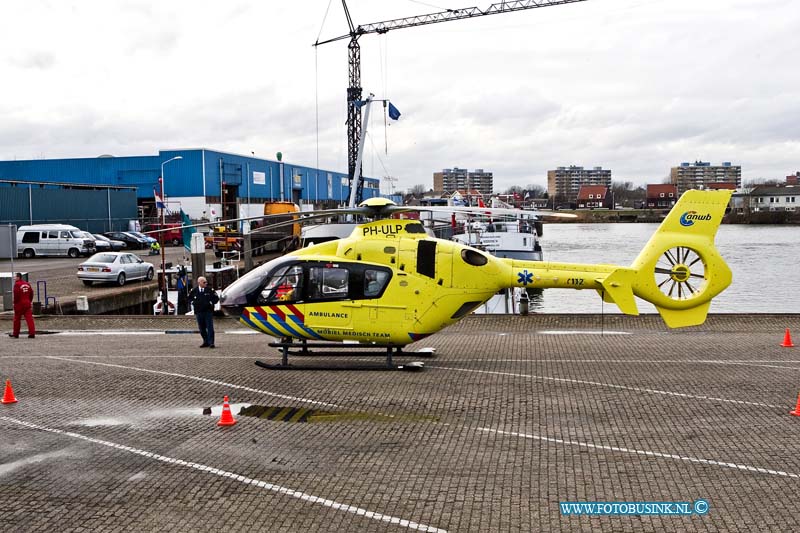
(704, 175)
(564, 183)
(461, 179)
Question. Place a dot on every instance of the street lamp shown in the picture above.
(163, 280)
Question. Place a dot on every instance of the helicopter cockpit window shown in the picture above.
(374, 282)
(283, 286)
(328, 282)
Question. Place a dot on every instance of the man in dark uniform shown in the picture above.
(23, 299)
(203, 299)
(183, 290)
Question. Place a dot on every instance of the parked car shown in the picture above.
(115, 267)
(114, 245)
(52, 239)
(130, 240)
(150, 240)
(99, 246)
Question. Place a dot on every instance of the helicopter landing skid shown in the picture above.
(307, 349)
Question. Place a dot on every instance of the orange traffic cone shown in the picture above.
(787, 340)
(796, 411)
(8, 395)
(226, 419)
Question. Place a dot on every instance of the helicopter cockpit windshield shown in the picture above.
(282, 286)
(287, 280)
(250, 288)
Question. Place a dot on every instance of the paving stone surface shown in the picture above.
(513, 416)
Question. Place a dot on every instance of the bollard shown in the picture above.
(198, 249)
(524, 303)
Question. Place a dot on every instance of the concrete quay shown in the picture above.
(513, 416)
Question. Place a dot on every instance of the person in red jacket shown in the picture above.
(23, 298)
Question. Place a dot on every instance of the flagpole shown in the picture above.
(163, 281)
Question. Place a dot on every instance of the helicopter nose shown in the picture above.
(232, 302)
(232, 310)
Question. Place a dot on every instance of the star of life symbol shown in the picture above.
(525, 277)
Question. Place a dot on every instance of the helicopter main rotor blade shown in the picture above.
(485, 211)
(369, 211)
(299, 217)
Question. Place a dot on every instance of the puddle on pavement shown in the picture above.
(136, 418)
(303, 415)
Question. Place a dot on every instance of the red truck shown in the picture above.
(172, 234)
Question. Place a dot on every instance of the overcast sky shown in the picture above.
(635, 86)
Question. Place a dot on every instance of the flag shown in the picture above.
(394, 113)
(159, 201)
(527, 195)
(187, 232)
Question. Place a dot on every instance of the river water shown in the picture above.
(764, 261)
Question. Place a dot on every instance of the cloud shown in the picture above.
(633, 86)
(34, 60)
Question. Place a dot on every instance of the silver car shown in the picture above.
(114, 245)
(116, 267)
(99, 246)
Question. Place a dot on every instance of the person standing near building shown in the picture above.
(23, 299)
(203, 299)
(183, 290)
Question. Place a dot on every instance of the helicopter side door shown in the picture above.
(327, 292)
(343, 300)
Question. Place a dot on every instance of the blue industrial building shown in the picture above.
(94, 208)
(206, 184)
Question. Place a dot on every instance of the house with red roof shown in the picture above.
(594, 196)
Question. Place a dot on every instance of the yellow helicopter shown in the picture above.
(390, 284)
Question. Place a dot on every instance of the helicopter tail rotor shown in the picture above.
(679, 270)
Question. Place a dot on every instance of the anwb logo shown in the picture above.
(688, 218)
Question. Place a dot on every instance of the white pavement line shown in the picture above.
(197, 378)
(173, 356)
(236, 477)
(580, 332)
(648, 453)
(84, 333)
(762, 365)
(139, 333)
(744, 362)
(610, 385)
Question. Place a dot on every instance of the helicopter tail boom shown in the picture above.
(679, 270)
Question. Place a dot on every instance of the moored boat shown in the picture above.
(515, 239)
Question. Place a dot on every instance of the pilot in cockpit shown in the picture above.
(287, 290)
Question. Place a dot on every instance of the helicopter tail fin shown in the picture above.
(680, 270)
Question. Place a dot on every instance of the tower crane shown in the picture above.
(354, 55)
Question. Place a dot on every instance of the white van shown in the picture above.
(52, 239)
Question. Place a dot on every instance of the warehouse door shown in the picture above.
(230, 205)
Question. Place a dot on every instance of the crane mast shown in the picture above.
(354, 59)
